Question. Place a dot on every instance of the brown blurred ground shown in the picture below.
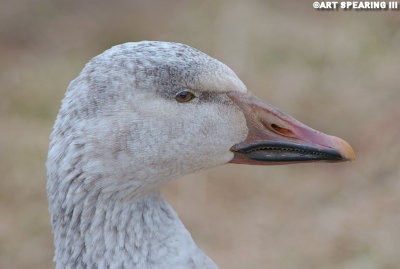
(336, 71)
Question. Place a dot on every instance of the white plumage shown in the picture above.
(121, 134)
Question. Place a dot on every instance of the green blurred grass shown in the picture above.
(336, 71)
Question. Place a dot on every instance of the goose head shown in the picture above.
(143, 113)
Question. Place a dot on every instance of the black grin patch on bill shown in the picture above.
(287, 152)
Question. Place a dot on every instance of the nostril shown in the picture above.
(281, 130)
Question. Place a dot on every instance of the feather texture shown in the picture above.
(119, 136)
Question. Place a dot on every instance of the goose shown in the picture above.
(137, 116)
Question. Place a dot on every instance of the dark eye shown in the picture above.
(185, 96)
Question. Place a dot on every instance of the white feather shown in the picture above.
(119, 136)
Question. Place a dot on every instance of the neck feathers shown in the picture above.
(99, 232)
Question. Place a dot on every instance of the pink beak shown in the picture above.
(277, 138)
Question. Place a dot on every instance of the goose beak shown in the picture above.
(277, 138)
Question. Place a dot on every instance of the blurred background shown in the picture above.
(337, 71)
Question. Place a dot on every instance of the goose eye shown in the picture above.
(185, 96)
